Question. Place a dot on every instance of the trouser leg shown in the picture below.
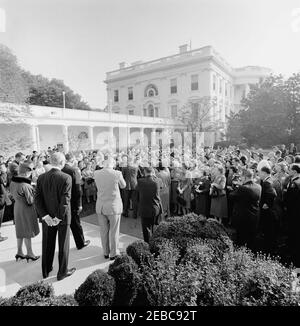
(77, 230)
(48, 247)
(114, 233)
(147, 225)
(104, 233)
(63, 248)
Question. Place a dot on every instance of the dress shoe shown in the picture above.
(86, 243)
(17, 256)
(32, 258)
(112, 258)
(47, 275)
(106, 256)
(69, 273)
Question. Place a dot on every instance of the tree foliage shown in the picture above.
(49, 92)
(13, 88)
(269, 114)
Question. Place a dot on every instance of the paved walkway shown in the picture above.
(14, 275)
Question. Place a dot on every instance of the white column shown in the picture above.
(38, 138)
(91, 137)
(142, 136)
(33, 137)
(65, 138)
(153, 137)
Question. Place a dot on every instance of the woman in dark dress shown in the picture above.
(26, 220)
(202, 197)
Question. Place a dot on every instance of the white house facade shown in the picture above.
(158, 88)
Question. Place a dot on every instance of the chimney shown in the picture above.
(122, 65)
(183, 48)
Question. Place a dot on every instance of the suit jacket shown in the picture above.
(292, 200)
(246, 199)
(76, 195)
(53, 195)
(130, 174)
(108, 183)
(149, 202)
(268, 193)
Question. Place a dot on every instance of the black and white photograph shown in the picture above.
(149, 156)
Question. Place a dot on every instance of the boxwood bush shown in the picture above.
(186, 228)
(97, 290)
(38, 294)
(124, 270)
(139, 251)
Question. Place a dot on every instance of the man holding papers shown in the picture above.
(53, 193)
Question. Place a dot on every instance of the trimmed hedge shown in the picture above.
(97, 290)
(38, 294)
(183, 229)
(124, 270)
(139, 251)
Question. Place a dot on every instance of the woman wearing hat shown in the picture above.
(26, 221)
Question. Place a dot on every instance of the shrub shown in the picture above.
(97, 290)
(139, 251)
(64, 300)
(183, 229)
(39, 293)
(166, 284)
(124, 270)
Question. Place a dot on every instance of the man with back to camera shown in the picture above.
(53, 194)
(246, 209)
(149, 202)
(76, 203)
(109, 206)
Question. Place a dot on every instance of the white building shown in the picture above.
(158, 88)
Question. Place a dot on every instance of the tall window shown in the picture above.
(220, 86)
(131, 112)
(195, 111)
(156, 111)
(145, 112)
(173, 86)
(151, 110)
(130, 93)
(214, 82)
(174, 111)
(194, 82)
(226, 87)
(116, 95)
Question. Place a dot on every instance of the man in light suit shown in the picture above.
(109, 206)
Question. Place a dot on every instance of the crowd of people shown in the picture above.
(254, 192)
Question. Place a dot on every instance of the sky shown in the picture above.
(78, 41)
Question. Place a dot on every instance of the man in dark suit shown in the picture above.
(149, 203)
(76, 203)
(269, 225)
(130, 175)
(292, 204)
(245, 217)
(53, 194)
